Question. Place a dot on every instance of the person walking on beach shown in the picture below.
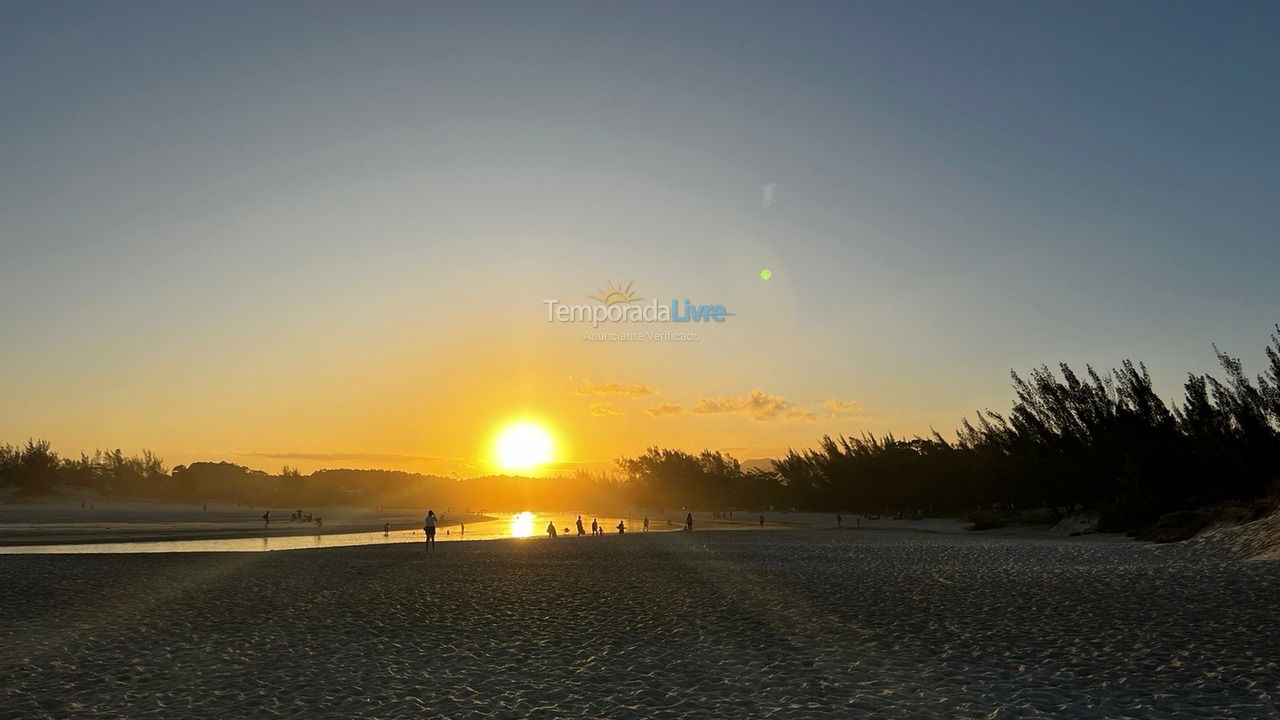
(761, 521)
(551, 529)
(581, 531)
(266, 518)
(688, 522)
(429, 528)
(386, 529)
(595, 527)
(622, 527)
(839, 521)
(646, 523)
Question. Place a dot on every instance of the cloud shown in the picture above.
(662, 409)
(636, 389)
(603, 408)
(755, 405)
(843, 409)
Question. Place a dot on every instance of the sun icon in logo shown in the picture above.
(617, 294)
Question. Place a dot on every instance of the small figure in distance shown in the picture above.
(839, 520)
(386, 529)
(462, 528)
(581, 531)
(566, 532)
(319, 522)
(622, 527)
(646, 523)
(551, 530)
(595, 527)
(688, 522)
(429, 528)
(266, 518)
(762, 521)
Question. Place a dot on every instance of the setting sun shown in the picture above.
(523, 447)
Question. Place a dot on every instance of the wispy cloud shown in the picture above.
(755, 405)
(635, 389)
(840, 408)
(663, 409)
(602, 409)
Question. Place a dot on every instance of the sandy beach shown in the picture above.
(97, 519)
(801, 623)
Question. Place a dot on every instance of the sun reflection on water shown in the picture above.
(522, 525)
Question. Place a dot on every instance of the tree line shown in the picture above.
(1104, 442)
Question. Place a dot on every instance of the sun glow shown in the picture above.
(522, 525)
(523, 447)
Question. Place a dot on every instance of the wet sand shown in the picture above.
(804, 623)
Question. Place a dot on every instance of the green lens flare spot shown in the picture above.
(765, 274)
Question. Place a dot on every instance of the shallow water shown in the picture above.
(523, 525)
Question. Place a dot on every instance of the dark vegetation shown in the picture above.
(35, 470)
(1104, 443)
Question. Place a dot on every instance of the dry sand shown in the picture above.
(804, 623)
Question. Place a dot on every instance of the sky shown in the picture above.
(322, 234)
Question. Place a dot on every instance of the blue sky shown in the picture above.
(218, 219)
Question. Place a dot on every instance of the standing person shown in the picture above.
(551, 529)
(462, 528)
(386, 529)
(622, 527)
(581, 531)
(762, 521)
(646, 523)
(429, 528)
(266, 518)
(839, 521)
(595, 527)
(688, 522)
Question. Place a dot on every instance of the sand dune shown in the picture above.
(790, 624)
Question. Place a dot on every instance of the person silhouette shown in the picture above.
(688, 522)
(622, 527)
(839, 521)
(266, 518)
(595, 527)
(761, 521)
(581, 531)
(646, 523)
(386, 529)
(551, 529)
(429, 528)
